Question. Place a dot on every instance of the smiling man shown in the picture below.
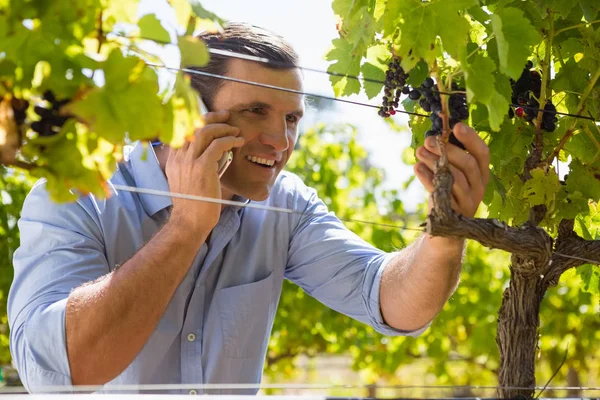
(141, 289)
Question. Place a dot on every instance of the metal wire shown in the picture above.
(280, 64)
(287, 211)
(233, 386)
(264, 85)
(248, 205)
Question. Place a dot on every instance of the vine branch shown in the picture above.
(572, 245)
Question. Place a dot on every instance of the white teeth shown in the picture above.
(259, 160)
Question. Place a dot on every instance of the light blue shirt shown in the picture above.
(217, 325)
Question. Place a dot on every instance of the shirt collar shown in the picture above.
(148, 175)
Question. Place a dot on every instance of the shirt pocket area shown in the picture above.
(246, 316)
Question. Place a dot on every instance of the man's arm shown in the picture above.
(109, 321)
(418, 281)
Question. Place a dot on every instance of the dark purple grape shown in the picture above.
(414, 94)
(453, 140)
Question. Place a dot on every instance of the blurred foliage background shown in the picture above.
(458, 349)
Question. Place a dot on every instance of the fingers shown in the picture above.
(216, 117)
(459, 193)
(218, 147)
(207, 134)
(476, 148)
(425, 175)
(475, 171)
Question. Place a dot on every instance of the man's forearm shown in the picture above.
(109, 321)
(418, 281)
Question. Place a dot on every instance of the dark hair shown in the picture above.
(244, 39)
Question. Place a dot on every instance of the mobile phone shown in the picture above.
(227, 158)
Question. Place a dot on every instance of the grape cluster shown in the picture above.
(19, 107)
(429, 100)
(525, 92)
(51, 121)
(395, 79)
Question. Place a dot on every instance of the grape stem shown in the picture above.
(442, 178)
(538, 213)
(580, 108)
(577, 26)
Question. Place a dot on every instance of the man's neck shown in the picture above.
(162, 154)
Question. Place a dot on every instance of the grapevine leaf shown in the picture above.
(128, 102)
(423, 22)
(570, 77)
(481, 87)
(453, 28)
(391, 18)
(515, 36)
(123, 12)
(194, 52)
(183, 11)
(590, 274)
(203, 13)
(67, 164)
(585, 145)
(374, 69)
(495, 187)
(542, 188)
(359, 29)
(151, 28)
(346, 63)
(561, 7)
(590, 9)
(418, 74)
(369, 70)
(186, 117)
(344, 8)
(585, 179)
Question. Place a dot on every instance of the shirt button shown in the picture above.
(191, 338)
(192, 391)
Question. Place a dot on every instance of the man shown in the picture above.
(140, 289)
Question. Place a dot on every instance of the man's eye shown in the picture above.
(292, 118)
(256, 110)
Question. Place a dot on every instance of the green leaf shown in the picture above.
(515, 36)
(346, 63)
(203, 13)
(374, 69)
(570, 78)
(422, 22)
(369, 70)
(561, 7)
(127, 103)
(585, 179)
(194, 52)
(590, 274)
(481, 87)
(542, 188)
(590, 9)
(585, 145)
(151, 28)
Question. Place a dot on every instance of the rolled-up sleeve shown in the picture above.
(61, 249)
(337, 267)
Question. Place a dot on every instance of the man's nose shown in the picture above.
(275, 135)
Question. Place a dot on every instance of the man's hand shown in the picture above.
(469, 169)
(192, 169)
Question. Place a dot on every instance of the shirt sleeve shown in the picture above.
(61, 248)
(336, 266)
